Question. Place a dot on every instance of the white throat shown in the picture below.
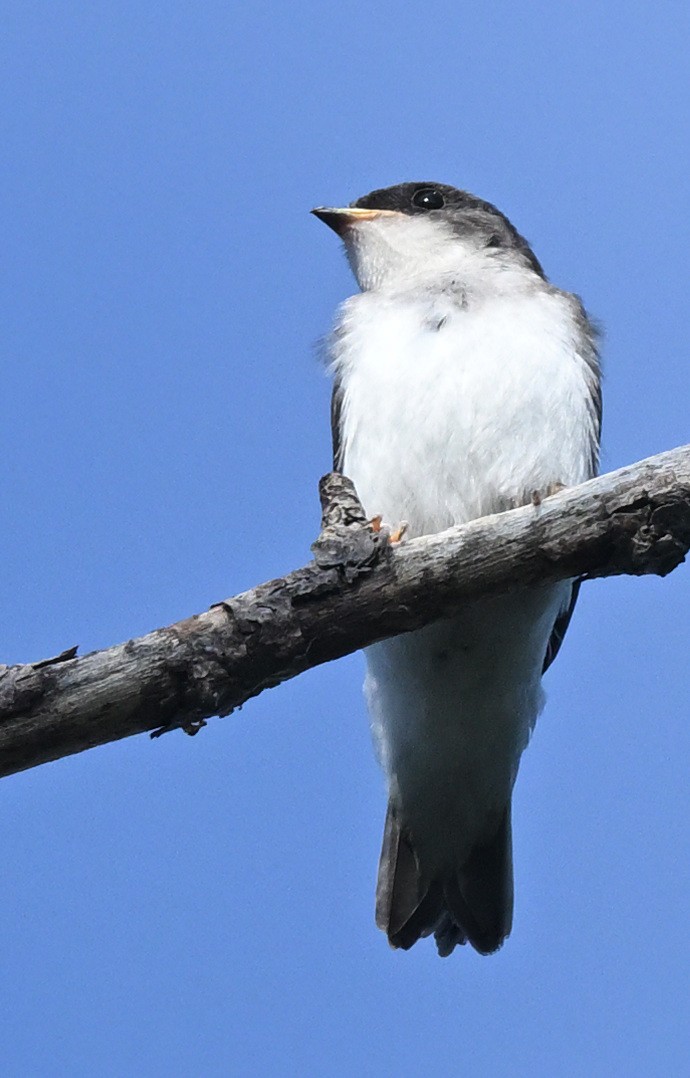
(408, 253)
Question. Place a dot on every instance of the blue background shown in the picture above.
(205, 906)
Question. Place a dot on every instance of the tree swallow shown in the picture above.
(464, 384)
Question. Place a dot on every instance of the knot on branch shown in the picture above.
(347, 542)
(648, 536)
(660, 544)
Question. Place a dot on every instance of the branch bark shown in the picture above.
(357, 590)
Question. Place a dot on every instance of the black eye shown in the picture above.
(428, 198)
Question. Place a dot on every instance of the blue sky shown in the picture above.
(205, 906)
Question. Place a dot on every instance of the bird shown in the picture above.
(464, 384)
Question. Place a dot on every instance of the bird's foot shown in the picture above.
(397, 535)
(394, 536)
(537, 496)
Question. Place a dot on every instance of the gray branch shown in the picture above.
(358, 589)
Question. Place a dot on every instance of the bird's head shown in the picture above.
(419, 231)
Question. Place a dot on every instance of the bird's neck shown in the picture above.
(461, 270)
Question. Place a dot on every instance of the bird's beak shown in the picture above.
(340, 219)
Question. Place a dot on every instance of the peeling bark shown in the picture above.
(358, 589)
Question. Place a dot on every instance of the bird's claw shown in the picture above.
(377, 526)
(397, 535)
(537, 496)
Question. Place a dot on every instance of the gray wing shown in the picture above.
(588, 348)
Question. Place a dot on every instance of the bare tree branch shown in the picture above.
(357, 590)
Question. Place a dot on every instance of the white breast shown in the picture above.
(451, 413)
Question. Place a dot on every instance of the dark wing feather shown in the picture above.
(559, 629)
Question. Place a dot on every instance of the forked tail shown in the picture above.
(471, 902)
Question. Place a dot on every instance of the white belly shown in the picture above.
(441, 425)
(452, 708)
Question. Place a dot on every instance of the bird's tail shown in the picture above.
(471, 902)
